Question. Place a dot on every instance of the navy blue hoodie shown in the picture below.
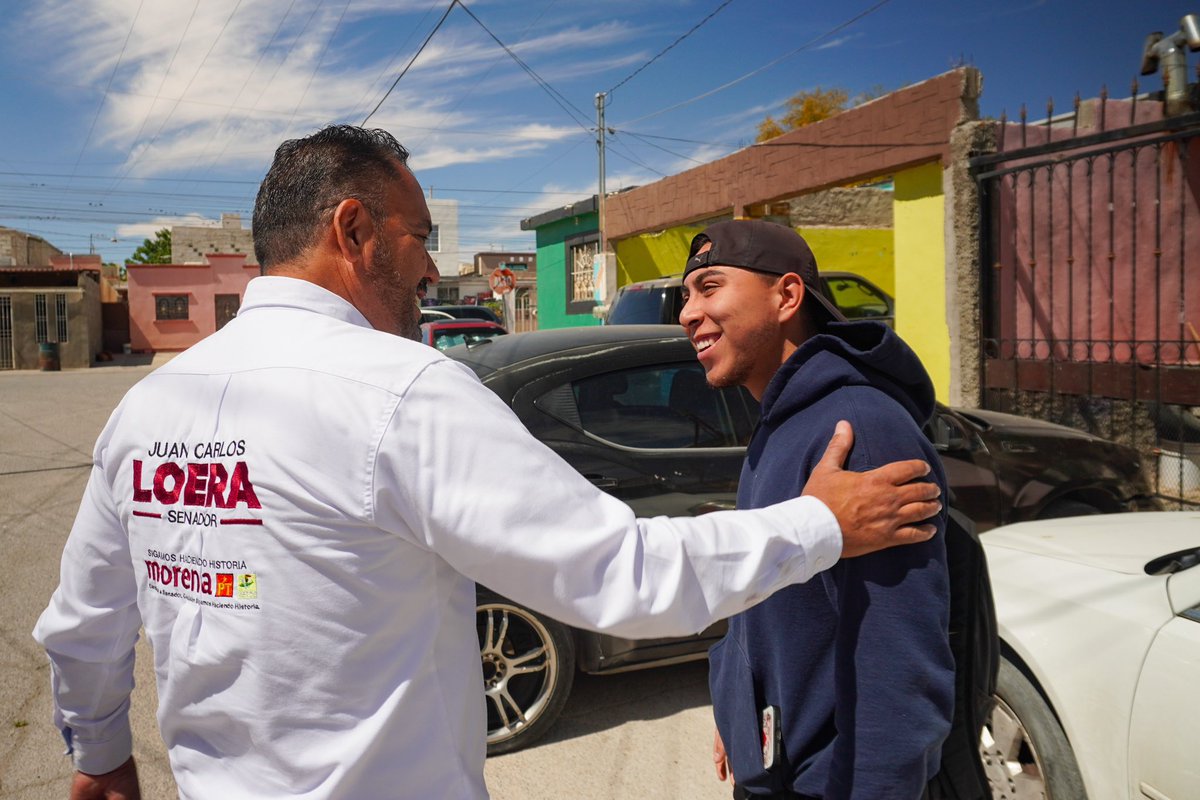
(857, 660)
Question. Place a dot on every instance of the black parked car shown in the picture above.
(628, 406)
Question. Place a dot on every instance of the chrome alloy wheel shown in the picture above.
(520, 667)
(1013, 766)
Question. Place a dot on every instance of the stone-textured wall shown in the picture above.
(963, 266)
(860, 207)
(192, 244)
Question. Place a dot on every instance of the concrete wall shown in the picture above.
(20, 248)
(225, 274)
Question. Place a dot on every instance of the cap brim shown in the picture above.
(831, 312)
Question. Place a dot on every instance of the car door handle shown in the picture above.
(602, 482)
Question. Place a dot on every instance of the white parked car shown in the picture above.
(1098, 692)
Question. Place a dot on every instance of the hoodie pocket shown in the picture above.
(737, 709)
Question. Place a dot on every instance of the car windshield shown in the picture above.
(856, 299)
(449, 338)
(639, 305)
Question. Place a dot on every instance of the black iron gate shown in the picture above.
(1091, 288)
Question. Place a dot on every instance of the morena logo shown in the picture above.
(197, 484)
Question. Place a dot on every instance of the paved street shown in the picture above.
(634, 735)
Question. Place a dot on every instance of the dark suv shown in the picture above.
(660, 300)
(628, 406)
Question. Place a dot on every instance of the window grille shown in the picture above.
(583, 279)
(170, 306)
(40, 326)
(60, 316)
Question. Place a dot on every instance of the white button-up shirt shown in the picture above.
(297, 509)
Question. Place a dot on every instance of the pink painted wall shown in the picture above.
(224, 274)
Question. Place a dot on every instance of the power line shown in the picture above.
(664, 51)
(388, 66)
(810, 43)
(120, 57)
(421, 49)
(228, 111)
(645, 140)
(491, 67)
(316, 69)
(242, 181)
(555, 95)
(175, 107)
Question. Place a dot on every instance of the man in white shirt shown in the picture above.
(291, 510)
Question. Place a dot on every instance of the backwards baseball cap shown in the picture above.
(764, 247)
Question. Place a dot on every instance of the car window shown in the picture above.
(449, 338)
(641, 305)
(658, 407)
(857, 299)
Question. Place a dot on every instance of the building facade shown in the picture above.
(173, 306)
(568, 240)
(43, 305)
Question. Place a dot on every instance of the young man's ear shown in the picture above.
(791, 295)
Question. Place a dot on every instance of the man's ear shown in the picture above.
(352, 229)
(791, 295)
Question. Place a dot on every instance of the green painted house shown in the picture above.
(568, 240)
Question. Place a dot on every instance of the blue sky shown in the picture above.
(123, 116)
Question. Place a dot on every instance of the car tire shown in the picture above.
(1025, 751)
(1068, 508)
(528, 670)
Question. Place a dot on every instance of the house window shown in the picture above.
(170, 306)
(580, 273)
(6, 333)
(60, 316)
(41, 329)
(226, 307)
(433, 242)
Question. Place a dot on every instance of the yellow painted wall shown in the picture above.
(866, 251)
(919, 217)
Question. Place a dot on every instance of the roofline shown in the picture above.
(579, 208)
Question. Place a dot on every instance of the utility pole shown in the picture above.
(600, 98)
(605, 265)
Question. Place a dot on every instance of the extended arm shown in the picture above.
(539, 533)
(89, 631)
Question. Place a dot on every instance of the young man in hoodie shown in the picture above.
(842, 687)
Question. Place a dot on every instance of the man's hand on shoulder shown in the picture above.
(120, 784)
(875, 509)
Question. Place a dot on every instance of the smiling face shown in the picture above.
(732, 317)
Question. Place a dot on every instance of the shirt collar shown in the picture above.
(276, 291)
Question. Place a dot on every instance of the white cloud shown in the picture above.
(147, 230)
(220, 83)
(838, 42)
